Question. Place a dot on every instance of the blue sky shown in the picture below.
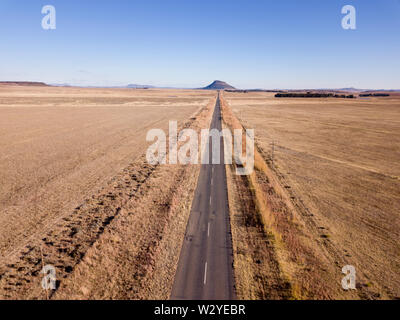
(249, 44)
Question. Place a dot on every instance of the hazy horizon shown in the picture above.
(189, 88)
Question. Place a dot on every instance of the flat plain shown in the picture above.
(77, 193)
(338, 161)
(59, 146)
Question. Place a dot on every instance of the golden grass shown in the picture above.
(336, 171)
(64, 153)
(142, 263)
(256, 242)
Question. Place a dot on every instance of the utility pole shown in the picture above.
(273, 151)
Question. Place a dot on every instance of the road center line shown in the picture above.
(210, 199)
(208, 230)
(205, 273)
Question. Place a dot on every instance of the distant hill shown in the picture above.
(24, 83)
(60, 85)
(219, 85)
(129, 86)
(139, 86)
(351, 89)
(357, 90)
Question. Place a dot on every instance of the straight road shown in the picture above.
(205, 268)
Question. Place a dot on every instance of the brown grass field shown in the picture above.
(330, 198)
(71, 164)
(77, 193)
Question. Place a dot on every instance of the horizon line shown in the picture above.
(152, 86)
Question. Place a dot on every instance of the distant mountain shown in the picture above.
(382, 90)
(219, 85)
(139, 86)
(129, 86)
(24, 83)
(351, 89)
(60, 85)
(357, 90)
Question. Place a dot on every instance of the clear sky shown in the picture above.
(189, 43)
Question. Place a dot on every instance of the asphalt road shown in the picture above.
(205, 268)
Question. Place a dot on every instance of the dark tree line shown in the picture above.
(312, 95)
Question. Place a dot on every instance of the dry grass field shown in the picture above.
(77, 193)
(332, 192)
(71, 162)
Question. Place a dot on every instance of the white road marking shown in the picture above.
(205, 273)
(210, 199)
(208, 230)
(211, 180)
